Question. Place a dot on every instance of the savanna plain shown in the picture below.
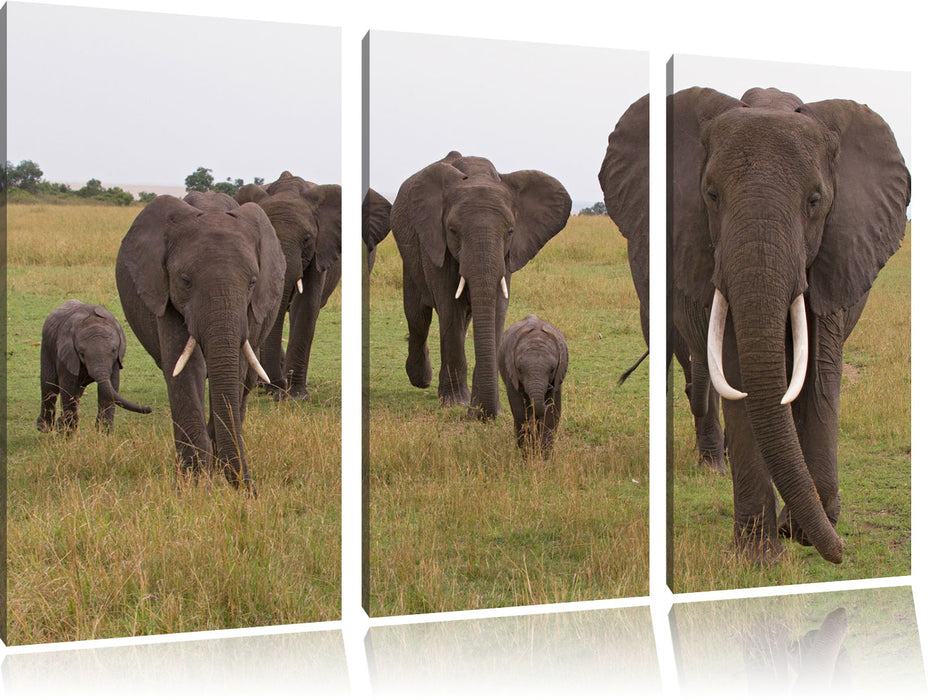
(459, 517)
(102, 539)
(874, 465)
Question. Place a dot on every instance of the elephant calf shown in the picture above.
(81, 344)
(532, 359)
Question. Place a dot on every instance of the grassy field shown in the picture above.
(101, 541)
(459, 519)
(874, 466)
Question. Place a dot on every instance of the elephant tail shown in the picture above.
(114, 396)
(633, 367)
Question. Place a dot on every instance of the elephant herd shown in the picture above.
(781, 215)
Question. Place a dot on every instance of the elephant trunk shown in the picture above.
(536, 390)
(226, 363)
(760, 304)
(102, 378)
(488, 309)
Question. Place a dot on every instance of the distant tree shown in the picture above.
(146, 197)
(225, 188)
(597, 209)
(200, 180)
(92, 188)
(258, 181)
(25, 176)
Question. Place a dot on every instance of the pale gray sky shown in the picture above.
(886, 92)
(145, 98)
(522, 105)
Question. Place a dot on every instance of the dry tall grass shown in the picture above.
(459, 517)
(102, 540)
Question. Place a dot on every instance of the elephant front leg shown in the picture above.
(49, 391)
(453, 373)
(186, 403)
(272, 356)
(303, 316)
(816, 414)
(710, 438)
(519, 410)
(418, 320)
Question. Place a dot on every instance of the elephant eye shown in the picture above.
(305, 241)
(712, 195)
(186, 280)
(252, 284)
(814, 200)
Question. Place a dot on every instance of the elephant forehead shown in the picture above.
(749, 142)
(470, 196)
(770, 133)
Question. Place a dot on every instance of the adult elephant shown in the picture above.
(200, 286)
(462, 229)
(783, 215)
(624, 179)
(307, 221)
(375, 220)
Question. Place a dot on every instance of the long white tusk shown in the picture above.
(716, 335)
(184, 357)
(800, 349)
(299, 285)
(504, 287)
(461, 287)
(254, 362)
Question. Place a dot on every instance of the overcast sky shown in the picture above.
(145, 98)
(522, 105)
(886, 92)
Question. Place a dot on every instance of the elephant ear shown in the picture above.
(541, 208)
(421, 200)
(102, 313)
(268, 291)
(506, 353)
(376, 219)
(869, 212)
(143, 250)
(625, 173)
(65, 349)
(326, 202)
(562, 353)
(687, 113)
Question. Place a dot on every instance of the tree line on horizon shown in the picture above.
(24, 182)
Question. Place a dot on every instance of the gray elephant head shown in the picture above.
(533, 359)
(783, 214)
(463, 228)
(375, 223)
(307, 221)
(200, 288)
(81, 343)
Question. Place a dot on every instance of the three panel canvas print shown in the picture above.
(174, 238)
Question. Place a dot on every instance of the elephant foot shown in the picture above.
(713, 462)
(43, 426)
(419, 371)
(765, 551)
(294, 393)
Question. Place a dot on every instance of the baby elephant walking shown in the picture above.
(81, 344)
(533, 358)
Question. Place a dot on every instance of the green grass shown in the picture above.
(874, 466)
(459, 518)
(101, 541)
